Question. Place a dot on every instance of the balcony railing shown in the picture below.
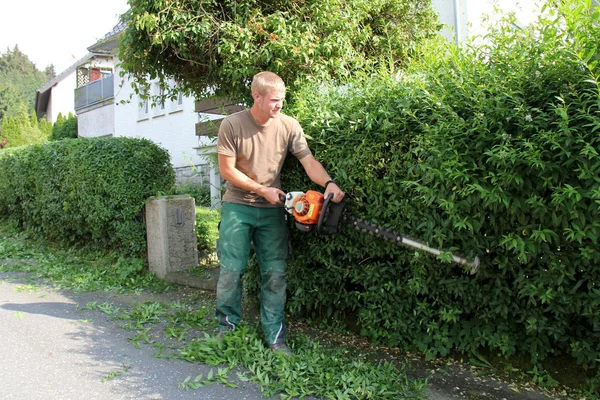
(94, 92)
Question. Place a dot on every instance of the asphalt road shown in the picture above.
(51, 350)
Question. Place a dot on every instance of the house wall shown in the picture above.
(173, 128)
(96, 121)
(525, 11)
(452, 12)
(467, 14)
(61, 98)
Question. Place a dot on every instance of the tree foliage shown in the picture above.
(215, 46)
(23, 129)
(19, 80)
(50, 72)
(64, 127)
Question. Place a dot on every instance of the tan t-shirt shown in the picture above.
(259, 151)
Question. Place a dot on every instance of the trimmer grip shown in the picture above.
(323, 215)
(333, 219)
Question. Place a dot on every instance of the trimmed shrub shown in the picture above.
(86, 191)
(490, 150)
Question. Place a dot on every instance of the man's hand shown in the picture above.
(272, 195)
(335, 190)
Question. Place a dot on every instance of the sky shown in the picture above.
(56, 32)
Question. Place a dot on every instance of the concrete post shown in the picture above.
(171, 234)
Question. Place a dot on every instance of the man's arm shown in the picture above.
(316, 172)
(238, 179)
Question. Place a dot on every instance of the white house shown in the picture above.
(56, 96)
(109, 107)
(463, 18)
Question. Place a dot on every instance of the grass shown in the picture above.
(312, 370)
(115, 374)
(74, 268)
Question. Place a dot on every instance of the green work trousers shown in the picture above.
(265, 229)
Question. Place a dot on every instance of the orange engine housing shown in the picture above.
(307, 208)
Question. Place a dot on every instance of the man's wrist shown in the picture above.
(329, 182)
(260, 190)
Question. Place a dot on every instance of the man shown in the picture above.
(252, 146)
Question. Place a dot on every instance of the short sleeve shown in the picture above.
(298, 145)
(225, 141)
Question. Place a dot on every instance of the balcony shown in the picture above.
(94, 92)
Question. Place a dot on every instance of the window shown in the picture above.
(158, 92)
(143, 107)
(176, 104)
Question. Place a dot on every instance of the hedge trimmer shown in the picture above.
(313, 212)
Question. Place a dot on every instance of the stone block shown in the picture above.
(171, 234)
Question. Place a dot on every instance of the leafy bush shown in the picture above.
(200, 193)
(207, 219)
(87, 191)
(64, 128)
(489, 150)
(294, 39)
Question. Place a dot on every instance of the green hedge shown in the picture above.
(87, 191)
(207, 229)
(490, 151)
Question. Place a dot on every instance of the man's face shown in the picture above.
(270, 103)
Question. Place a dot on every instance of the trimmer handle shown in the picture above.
(324, 212)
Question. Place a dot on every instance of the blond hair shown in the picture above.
(266, 81)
